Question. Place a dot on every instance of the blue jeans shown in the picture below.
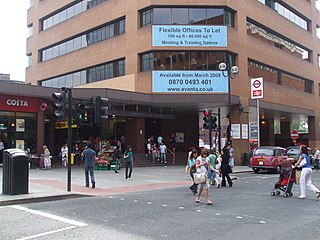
(211, 174)
(87, 170)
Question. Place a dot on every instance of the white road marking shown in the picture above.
(199, 210)
(262, 222)
(51, 216)
(181, 207)
(47, 233)
(135, 201)
(218, 214)
(239, 217)
(121, 199)
(164, 205)
(149, 203)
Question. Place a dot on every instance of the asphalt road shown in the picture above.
(245, 211)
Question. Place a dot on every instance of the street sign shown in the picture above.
(294, 134)
(256, 88)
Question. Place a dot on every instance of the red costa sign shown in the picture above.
(18, 103)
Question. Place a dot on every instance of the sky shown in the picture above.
(14, 32)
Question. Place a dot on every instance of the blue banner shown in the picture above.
(189, 36)
(189, 81)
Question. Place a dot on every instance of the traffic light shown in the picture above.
(206, 119)
(214, 124)
(59, 105)
(101, 109)
(80, 113)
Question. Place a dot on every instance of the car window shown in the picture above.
(263, 152)
(293, 151)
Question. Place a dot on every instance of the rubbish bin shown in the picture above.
(15, 172)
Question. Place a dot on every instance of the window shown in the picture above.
(29, 59)
(95, 36)
(147, 61)
(308, 86)
(30, 27)
(146, 17)
(162, 16)
(180, 16)
(89, 75)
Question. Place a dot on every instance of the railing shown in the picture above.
(173, 156)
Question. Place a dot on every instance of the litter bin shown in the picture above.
(15, 172)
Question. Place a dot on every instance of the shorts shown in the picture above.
(204, 186)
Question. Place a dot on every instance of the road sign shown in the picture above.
(256, 88)
(294, 134)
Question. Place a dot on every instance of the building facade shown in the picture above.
(168, 54)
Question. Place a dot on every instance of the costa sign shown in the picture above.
(18, 103)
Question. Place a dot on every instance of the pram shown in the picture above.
(285, 182)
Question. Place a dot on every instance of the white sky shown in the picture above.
(14, 31)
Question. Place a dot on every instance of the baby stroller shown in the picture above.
(285, 182)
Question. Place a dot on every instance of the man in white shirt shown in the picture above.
(163, 152)
(317, 157)
(64, 154)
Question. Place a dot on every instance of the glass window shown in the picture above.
(162, 16)
(77, 43)
(30, 27)
(70, 46)
(76, 79)
(228, 18)
(215, 16)
(63, 48)
(122, 27)
(147, 61)
(180, 15)
(29, 59)
(146, 17)
(63, 15)
(70, 12)
(197, 16)
(62, 81)
(69, 80)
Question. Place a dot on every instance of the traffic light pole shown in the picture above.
(219, 129)
(69, 137)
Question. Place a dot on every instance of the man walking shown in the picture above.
(317, 157)
(116, 158)
(163, 153)
(89, 156)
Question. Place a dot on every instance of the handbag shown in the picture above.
(303, 162)
(200, 178)
(187, 169)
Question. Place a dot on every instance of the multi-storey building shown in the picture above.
(158, 62)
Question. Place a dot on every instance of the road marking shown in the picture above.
(51, 216)
(262, 222)
(121, 199)
(149, 203)
(164, 205)
(181, 207)
(135, 201)
(239, 217)
(47, 233)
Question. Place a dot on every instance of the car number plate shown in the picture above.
(260, 159)
(260, 163)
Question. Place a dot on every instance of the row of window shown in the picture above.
(274, 75)
(84, 40)
(278, 41)
(69, 12)
(89, 75)
(186, 60)
(197, 16)
(287, 13)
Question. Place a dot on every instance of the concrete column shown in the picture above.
(312, 129)
(135, 132)
(40, 131)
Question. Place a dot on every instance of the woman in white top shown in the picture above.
(47, 158)
(201, 167)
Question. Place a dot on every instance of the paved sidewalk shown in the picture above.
(48, 185)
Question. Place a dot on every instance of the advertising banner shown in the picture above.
(189, 81)
(189, 36)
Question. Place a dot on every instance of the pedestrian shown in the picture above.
(163, 153)
(231, 152)
(212, 169)
(89, 157)
(192, 166)
(173, 142)
(116, 155)
(159, 139)
(201, 167)
(305, 179)
(128, 156)
(77, 152)
(154, 153)
(317, 157)
(47, 158)
(64, 154)
(149, 150)
(225, 167)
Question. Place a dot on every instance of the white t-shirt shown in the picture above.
(316, 154)
(64, 151)
(163, 149)
(202, 169)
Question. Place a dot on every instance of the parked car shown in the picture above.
(270, 158)
(294, 152)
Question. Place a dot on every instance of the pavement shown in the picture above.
(51, 185)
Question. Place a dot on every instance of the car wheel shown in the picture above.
(256, 170)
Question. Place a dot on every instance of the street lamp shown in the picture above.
(229, 72)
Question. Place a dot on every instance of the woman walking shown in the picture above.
(201, 168)
(128, 156)
(192, 166)
(305, 179)
(225, 167)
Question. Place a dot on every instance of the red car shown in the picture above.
(270, 158)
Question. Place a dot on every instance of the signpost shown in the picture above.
(294, 135)
(257, 93)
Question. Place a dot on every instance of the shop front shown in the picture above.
(18, 121)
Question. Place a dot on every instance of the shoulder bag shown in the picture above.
(200, 178)
(303, 162)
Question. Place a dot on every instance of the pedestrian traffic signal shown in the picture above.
(214, 124)
(59, 105)
(101, 109)
(80, 113)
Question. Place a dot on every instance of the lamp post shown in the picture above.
(229, 72)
